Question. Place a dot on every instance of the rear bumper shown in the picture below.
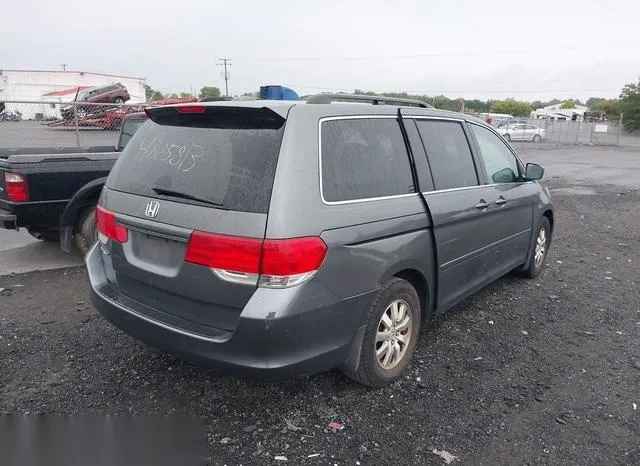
(8, 220)
(272, 340)
(38, 216)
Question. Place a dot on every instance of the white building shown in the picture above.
(56, 86)
(554, 112)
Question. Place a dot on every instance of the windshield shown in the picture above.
(82, 95)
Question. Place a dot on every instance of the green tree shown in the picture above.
(148, 91)
(209, 91)
(629, 106)
(609, 107)
(593, 102)
(152, 94)
(184, 95)
(570, 103)
(476, 105)
(511, 107)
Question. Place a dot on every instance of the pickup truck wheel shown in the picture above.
(392, 329)
(86, 233)
(539, 250)
(118, 100)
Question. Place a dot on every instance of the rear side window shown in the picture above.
(363, 159)
(225, 157)
(448, 153)
(129, 128)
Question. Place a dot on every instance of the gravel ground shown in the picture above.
(527, 371)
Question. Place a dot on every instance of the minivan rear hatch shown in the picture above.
(194, 179)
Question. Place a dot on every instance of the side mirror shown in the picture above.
(533, 172)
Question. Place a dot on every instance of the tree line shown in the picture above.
(627, 104)
(511, 106)
(154, 94)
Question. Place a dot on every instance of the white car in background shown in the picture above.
(522, 132)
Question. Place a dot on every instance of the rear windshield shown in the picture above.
(226, 156)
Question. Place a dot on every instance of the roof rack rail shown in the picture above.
(372, 99)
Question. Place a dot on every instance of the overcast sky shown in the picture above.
(525, 49)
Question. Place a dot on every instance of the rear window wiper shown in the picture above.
(173, 193)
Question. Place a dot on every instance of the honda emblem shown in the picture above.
(152, 209)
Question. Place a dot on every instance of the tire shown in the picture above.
(395, 294)
(536, 138)
(85, 230)
(46, 236)
(535, 266)
(118, 100)
(507, 136)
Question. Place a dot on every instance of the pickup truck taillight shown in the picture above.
(17, 187)
(107, 226)
(269, 263)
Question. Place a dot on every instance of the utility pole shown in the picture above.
(225, 62)
(64, 66)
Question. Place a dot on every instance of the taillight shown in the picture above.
(107, 226)
(268, 263)
(17, 187)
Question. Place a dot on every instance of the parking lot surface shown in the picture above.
(527, 371)
(39, 134)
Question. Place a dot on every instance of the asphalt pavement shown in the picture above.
(40, 134)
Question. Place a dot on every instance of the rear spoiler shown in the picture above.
(217, 116)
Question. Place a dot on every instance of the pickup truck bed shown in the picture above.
(62, 185)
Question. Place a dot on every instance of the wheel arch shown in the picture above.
(82, 198)
(549, 214)
(420, 278)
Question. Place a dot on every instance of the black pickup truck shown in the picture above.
(53, 191)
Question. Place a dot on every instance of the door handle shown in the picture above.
(482, 204)
(501, 201)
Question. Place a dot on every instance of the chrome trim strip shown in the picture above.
(428, 117)
(397, 196)
(158, 323)
(463, 188)
(352, 201)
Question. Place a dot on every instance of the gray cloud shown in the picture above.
(530, 50)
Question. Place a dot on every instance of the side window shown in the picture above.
(364, 158)
(448, 153)
(499, 162)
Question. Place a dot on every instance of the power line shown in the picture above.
(434, 55)
(451, 91)
(225, 62)
(443, 91)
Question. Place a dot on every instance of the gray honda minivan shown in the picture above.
(273, 239)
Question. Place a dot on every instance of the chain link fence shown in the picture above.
(84, 124)
(59, 124)
(532, 131)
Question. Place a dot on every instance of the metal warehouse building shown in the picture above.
(56, 86)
